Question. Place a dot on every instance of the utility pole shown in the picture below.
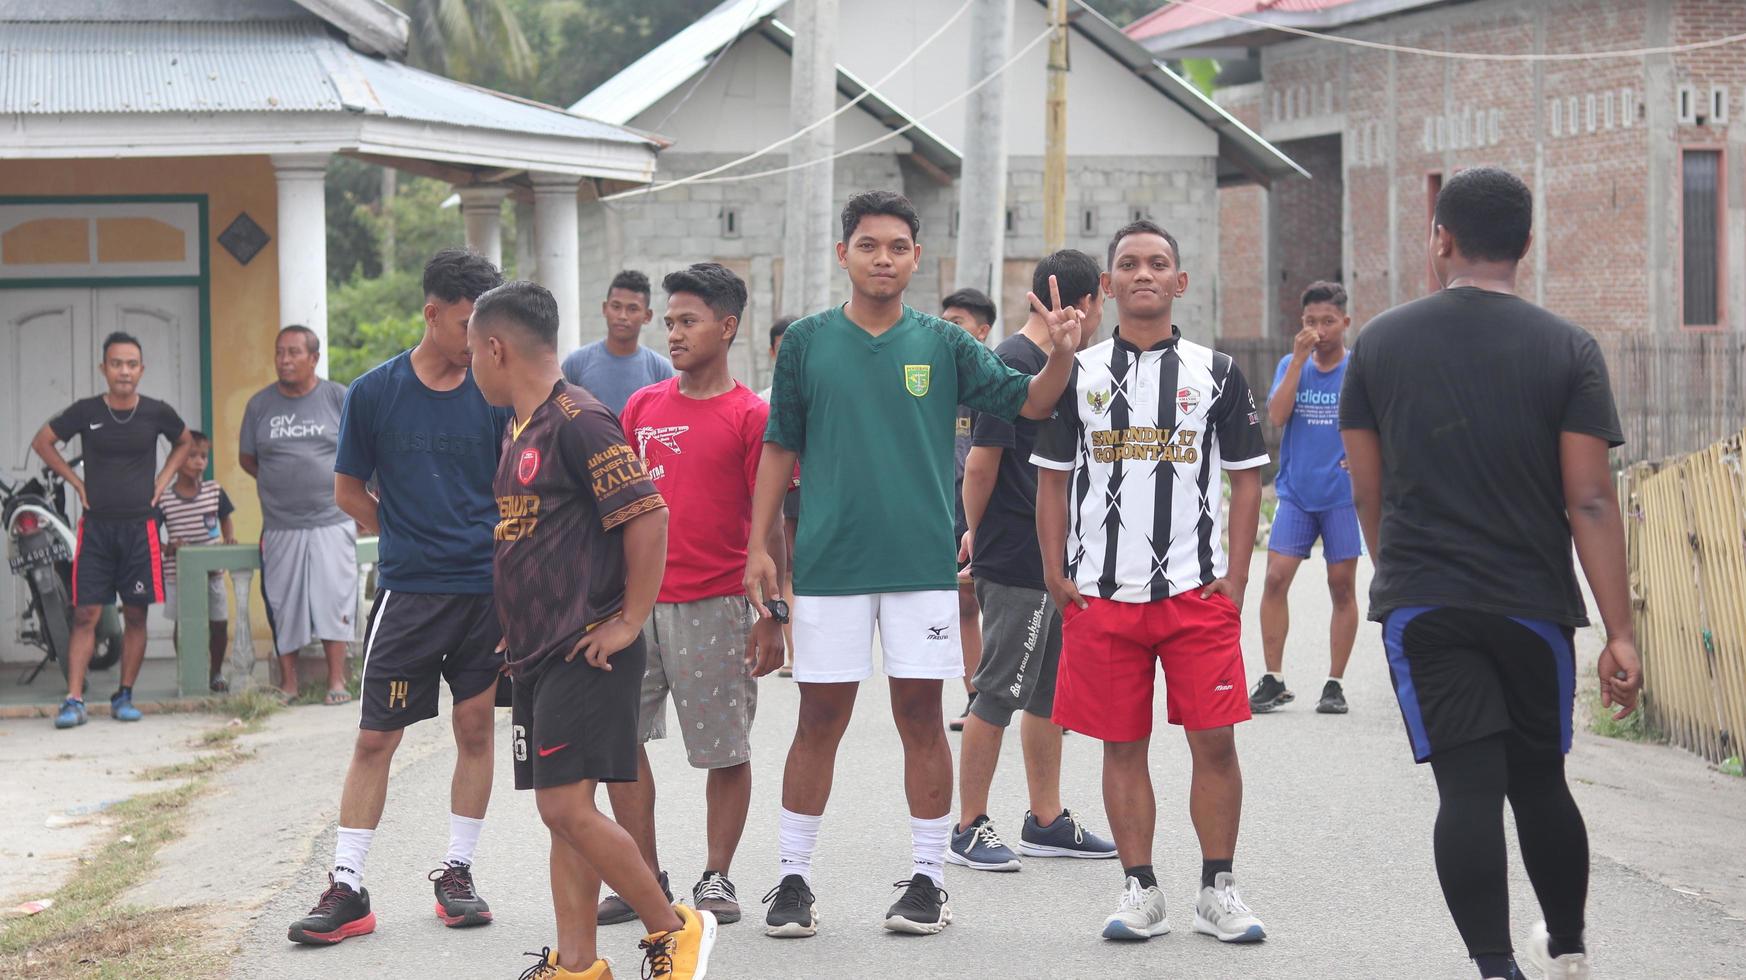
(808, 207)
(982, 183)
(1055, 134)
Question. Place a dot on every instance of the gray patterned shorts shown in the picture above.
(697, 650)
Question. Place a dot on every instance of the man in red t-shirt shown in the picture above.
(700, 436)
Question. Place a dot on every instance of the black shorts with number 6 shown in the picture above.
(413, 642)
(573, 721)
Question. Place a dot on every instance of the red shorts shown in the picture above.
(1107, 651)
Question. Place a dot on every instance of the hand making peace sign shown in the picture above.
(1064, 324)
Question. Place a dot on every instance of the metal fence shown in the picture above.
(1676, 394)
(1685, 534)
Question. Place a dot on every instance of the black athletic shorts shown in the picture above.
(574, 721)
(414, 641)
(1461, 676)
(118, 559)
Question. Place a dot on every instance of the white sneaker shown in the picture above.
(1220, 912)
(1570, 966)
(1140, 914)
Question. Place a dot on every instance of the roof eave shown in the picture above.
(1224, 32)
(372, 25)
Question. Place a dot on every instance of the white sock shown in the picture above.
(1335, 680)
(797, 838)
(1278, 675)
(463, 838)
(927, 842)
(349, 851)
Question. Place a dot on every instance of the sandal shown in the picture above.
(280, 696)
(337, 697)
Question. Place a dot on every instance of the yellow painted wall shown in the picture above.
(244, 299)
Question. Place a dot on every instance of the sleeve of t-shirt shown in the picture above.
(1590, 410)
(1057, 446)
(985, 382)
(1356, 411)
(169, 423)
(225, 507)
(251, 417)
(1238, 424)
(596, 456)
(572, 367)
(1278, 375)
(661, 369)
(787, 426)
(757, 418)
(356, 456)
(71, 421)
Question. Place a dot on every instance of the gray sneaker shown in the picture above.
(980, 848)
(614, 910)
(1140, 914)
(715, 893)
(1570, 966)
(1220, 912)
(1066, 837)
(1333, 700)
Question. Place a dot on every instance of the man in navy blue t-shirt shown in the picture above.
(418, 426)
(1315, 496)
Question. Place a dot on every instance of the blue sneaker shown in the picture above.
(72, 714)
(979, 847)
(1066, 837)
(121, 706)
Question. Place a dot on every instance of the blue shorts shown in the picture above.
(1296, 529)
(1461, 676)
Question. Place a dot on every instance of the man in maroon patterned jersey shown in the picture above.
(581, 544)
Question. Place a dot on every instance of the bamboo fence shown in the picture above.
(1685, 534)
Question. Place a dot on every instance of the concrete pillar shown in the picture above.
(982, 187)
(482, 210)
(557, 248)
(302, 243)
(808, 261)
(526, 262)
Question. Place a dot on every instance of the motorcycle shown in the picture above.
(40, 548)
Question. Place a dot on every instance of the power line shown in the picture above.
(1462, 55)
(906, 127)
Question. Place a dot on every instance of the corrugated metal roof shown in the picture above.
(259, 66)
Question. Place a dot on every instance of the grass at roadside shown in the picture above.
(1632, 728)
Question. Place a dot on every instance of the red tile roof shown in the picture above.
(1176, 16)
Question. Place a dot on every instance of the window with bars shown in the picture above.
(1701, 238)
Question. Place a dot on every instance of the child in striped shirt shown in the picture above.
(196, 512)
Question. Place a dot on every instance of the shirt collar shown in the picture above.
(1122, 342)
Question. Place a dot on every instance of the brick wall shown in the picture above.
(1305, 228)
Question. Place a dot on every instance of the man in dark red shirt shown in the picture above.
(700, 436)
(581, 543)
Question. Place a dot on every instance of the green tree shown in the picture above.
(461, 38)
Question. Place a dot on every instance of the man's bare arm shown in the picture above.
(249, 464)
(1364, 463)
(45, 445)
(166, 476)
(1599, 533)
(357, 501)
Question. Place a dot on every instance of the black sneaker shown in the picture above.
(1269, 693)
(1333, 700)
(338, 915)
(921, 910)
(957, 724)
(614, 910)
(792, 913)
(457, 904)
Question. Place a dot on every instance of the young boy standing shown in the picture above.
(1315, 496)
(581, 543)
(196, 512)
(699, 437)
(1145, 427)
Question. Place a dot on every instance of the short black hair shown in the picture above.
(1324, 291)
(121, 337)
(780, 327)
(528, 305)
(454, 274)
(630, 280)
(197, 436)
(310, 340)
(722, 291)
(1076, 275)
(974, 300)
(1144, 226)
(868, 203)
(1490, 213)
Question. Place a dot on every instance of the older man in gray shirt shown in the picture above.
(309, 570)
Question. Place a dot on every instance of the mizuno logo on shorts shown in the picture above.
(937, 632)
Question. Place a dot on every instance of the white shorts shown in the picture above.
(918, 635)
(217, 608)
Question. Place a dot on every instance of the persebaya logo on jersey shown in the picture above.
(1098, 400)
(916, 378)
(528, 466)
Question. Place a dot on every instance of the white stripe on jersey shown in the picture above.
(1140, 435)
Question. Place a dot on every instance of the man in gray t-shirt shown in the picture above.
(309, 571)
(613, 369)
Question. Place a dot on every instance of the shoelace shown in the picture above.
(456, 879)
(658, 955)
(541, 970)
(1230, 901)
(785, 894)
(989, 835)
(330, 900)
(715, 887)
(909, 885)
(1133, 897)
(1078, 828)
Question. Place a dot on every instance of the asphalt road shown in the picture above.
(1335, 856)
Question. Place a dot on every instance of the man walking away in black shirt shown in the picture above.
(1477, 427)
(118, 552)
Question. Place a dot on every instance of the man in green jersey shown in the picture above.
(864, 397)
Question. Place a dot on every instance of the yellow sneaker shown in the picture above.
(682, 954)
(548, 969)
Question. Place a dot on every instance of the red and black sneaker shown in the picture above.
(457, 903)
(340, 914)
